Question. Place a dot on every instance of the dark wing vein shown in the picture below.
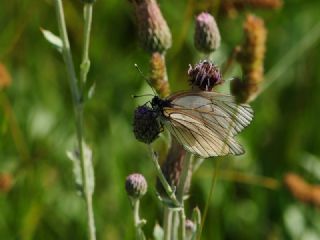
(200, 139)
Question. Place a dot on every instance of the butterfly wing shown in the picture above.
(206, 122)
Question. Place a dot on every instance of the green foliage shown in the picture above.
(37, 125)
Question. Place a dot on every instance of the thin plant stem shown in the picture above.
(175, 225)
(215, 173)
(137, 221)
(181, 188)
(196, 218)
(226, 67)
(167, 223)
(163, 180)
(212, 187)
(85, 64)
(182, 217)
(78, 109)
(184, 176)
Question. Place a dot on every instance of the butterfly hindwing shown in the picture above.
(206, 122)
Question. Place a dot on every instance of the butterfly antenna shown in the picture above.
(143, 95)
(145, 77)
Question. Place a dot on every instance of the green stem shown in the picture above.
(182, 227)
(215, 173)
(213, 183)
(196, 218)
(138, 223)
(184, 176)
(167, 223)
(78, 109)
(85, 64)
(163, 180)
(181, 190)
(175, 225)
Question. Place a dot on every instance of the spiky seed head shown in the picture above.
(154, 33)
(251, 57)
(204, 76)
(136, 185)
(146, 126)
(207, 36)
(158, 76)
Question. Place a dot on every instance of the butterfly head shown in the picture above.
(158, 104)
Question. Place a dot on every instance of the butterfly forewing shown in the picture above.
(205, 122)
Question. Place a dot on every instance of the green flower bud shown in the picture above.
(207, 36)
(154, 33)
(136, 185)
(190, 228)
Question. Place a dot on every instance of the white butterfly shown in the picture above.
(205, 123)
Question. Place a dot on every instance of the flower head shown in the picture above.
(204, 75)
(136, 185)
(146, 126)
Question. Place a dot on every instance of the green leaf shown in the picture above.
(91, 90)
(74, 157)
(87, 154)
(53, 39)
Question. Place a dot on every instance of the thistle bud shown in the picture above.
(5, 78)
(190, 228)
(204, 76)
(251, 57)
(136, 185)
(146, 127)
(207, 36)
(154, 33)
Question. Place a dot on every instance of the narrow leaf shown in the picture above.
(53, 39)
(196, 218)
(74, 157)
(87, 154)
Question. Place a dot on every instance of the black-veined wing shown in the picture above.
(198, 138)
(205, 122)
(216, 109)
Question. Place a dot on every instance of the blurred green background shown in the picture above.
(37, 123)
